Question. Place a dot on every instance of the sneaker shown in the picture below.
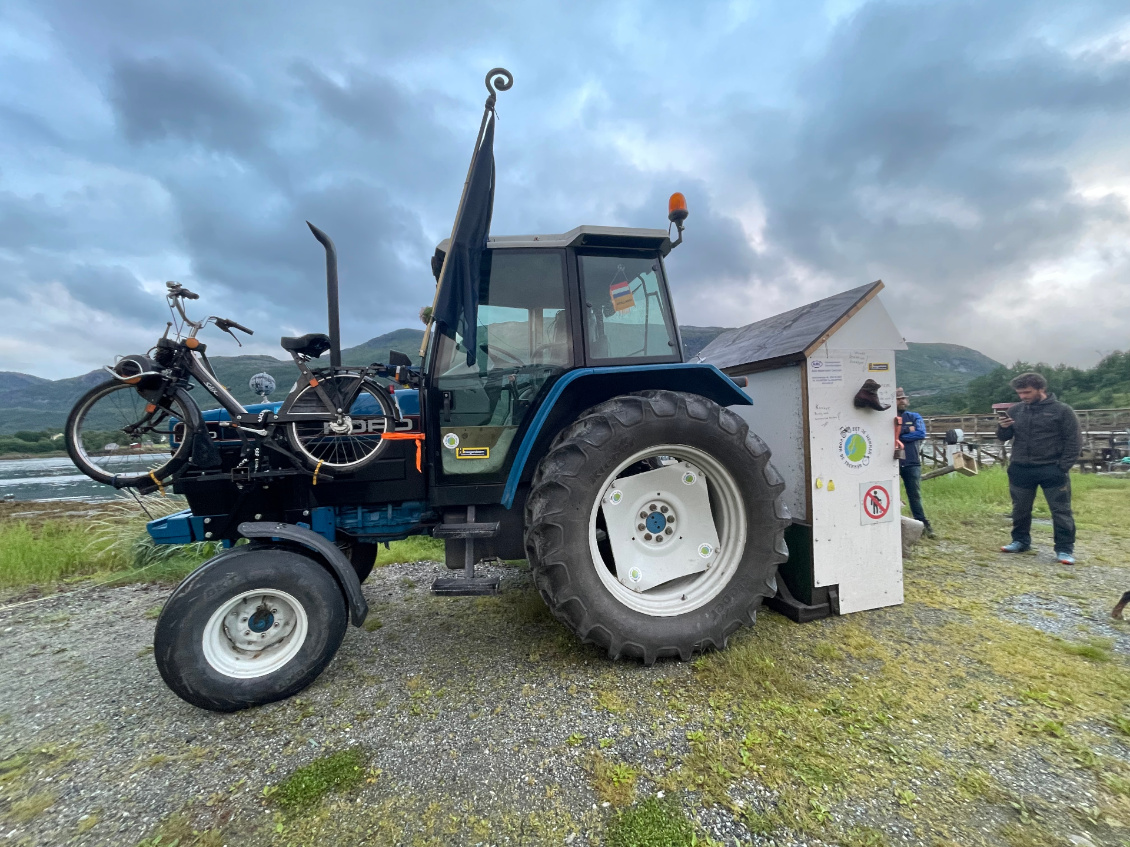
(927, 530)
(1016, 547)
(1064, 558)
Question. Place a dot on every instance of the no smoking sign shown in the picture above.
(875, 502)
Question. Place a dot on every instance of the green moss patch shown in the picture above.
(654, 822)
(307, 786)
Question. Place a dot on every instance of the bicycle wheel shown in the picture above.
(117, 436)
(346, 443)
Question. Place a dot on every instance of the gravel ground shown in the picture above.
(465, 708)
(451, 697)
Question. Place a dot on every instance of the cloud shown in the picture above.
(969, 154)
(190, 100)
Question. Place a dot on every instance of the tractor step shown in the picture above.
(464, 587)
(466, 530)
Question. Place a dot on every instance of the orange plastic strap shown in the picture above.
(315, 482)
(157, 482)
(418, 437)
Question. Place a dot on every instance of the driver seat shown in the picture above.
(312, 345)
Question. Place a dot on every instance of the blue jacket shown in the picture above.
(912, 431)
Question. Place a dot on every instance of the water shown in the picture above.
(50, 479)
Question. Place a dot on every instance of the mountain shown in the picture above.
(933, 368)
(695, 338)
(33, 403)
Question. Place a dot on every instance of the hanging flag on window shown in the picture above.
(621, 295)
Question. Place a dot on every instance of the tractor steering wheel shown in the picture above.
(498, 353)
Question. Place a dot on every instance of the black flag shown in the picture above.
(457, 301)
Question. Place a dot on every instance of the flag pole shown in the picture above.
(503, 79)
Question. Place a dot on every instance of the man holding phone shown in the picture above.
(1045, 444)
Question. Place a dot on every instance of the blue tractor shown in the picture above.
(565, 428)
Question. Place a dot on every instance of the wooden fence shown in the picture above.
(1106, 438)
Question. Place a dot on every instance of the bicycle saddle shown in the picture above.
(313, 344)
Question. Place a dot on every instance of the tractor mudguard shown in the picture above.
(342, 569)
(587, 387)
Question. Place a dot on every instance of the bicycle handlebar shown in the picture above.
(178, 290)
(227, 325)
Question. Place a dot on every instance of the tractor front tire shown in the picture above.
(253, 625)
(590, 561)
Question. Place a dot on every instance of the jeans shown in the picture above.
(912, 479)
(1023, 480)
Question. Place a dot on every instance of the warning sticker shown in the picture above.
(472, 452)
(621, 293)
(875, 502)
(879, 366)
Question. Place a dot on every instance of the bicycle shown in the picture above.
(334, 418)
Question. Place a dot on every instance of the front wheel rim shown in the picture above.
(255, 633)
(688, 593)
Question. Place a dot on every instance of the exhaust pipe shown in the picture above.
(331, 293)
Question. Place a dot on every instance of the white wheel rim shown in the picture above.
(687, 593)
(255, 633)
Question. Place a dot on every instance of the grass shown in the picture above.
(307, 786)
(418, 548)
(115, 546)
(614, 782)
(864, 705)
(112, 544)
(654, 822)
(48, 554)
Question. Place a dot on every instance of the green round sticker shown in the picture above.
(855, 448)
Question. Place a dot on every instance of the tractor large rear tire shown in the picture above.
(570, 548)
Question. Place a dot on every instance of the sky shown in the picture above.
(972, 155)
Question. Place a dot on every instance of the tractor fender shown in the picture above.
(586, 387)
(338, 564)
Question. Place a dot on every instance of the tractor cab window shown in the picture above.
(523, 341)
(627, 315)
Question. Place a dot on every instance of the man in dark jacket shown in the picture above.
(1045, 444)
(912, 429)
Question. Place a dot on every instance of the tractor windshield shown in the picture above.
(523, 341)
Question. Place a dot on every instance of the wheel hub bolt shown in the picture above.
(641, 527)
(651, 506)
(658, 538)
(668, 531)
(664, 509)
(647, 537)
(643, 514)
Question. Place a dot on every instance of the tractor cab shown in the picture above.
(593, 297)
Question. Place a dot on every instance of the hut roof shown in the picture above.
(789, 336)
